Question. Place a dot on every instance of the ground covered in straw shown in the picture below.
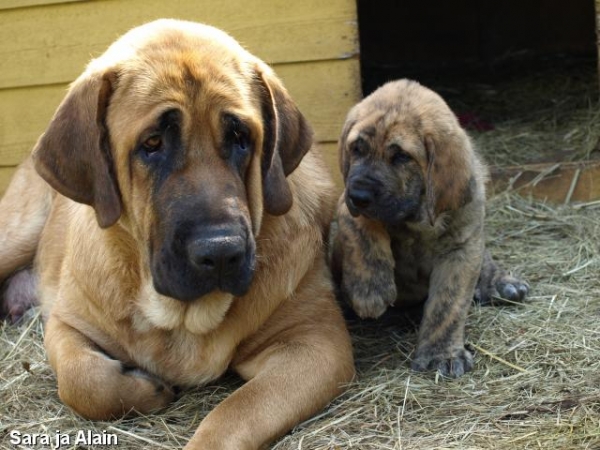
(540, 110)
(536, 382)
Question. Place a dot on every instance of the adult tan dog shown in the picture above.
(410, 222)
(203, 246)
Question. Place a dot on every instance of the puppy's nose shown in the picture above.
(217, 256)
(361, 198)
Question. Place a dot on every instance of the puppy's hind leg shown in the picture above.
(95, 385)
(495, 282)
(24, 209)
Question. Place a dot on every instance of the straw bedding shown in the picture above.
(536, 382)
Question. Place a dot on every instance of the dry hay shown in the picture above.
(536, 382)
(540, 111)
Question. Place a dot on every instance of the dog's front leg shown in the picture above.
(441, 343)
(299, 361)
(95, 385)
(363, 264)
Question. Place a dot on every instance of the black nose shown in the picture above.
(361, 198)
(217, 256)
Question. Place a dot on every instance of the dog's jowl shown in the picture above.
(410, 221)
(174, 212)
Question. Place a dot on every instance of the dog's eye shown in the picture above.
(359, 147)
(237, 135)
(152, 144)
(241, 139)
(398, 156)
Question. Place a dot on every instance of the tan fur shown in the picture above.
(410, 223)
(115, 343)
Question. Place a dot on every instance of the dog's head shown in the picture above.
(185, 139)
(404, 157)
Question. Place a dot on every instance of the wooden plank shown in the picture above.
(52, 44)
(24, 115)
(553, 182)
(329, 150)
(324, 91)
(10, 4)
(6, 174)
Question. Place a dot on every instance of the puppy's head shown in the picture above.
(404, 157)
(185, 139)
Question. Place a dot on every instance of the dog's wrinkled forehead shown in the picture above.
(400, 113)
(381, 126)
(197, 71)
(174, 66)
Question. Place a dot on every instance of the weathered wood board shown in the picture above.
(45, 44)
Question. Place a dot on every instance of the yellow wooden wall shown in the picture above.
(45, 44)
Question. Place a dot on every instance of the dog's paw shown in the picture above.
(370, 300)
(370, 307)
(505, 287)
(453, 365)
(152, 392)
(511, 288)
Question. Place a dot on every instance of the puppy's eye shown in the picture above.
(152, 144)
(398, 156)
(359, 148)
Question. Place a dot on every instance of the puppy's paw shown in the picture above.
(511, 288)
(496, 284)
(370, 307)
(368, 300)
(504, 287)
(453, 365)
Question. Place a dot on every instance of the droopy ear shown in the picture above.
(73, 155)
(287, 138)
(448, 174)
(343, 157)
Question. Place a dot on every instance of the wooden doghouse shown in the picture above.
(313, 46)
(46, 44)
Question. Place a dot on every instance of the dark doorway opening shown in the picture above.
(521, 75)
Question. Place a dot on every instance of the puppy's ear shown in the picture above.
(73, 155)
(343, 157)
(448, 173)
(287, 138)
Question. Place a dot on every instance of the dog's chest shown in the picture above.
(180, 357)
(413, 257)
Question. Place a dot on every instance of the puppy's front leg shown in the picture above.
(441, 343)
(95, 385)
(363, 264)
(299, 361)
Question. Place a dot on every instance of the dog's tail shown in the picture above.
(24, 210)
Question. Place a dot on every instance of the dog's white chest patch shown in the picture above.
(198, 317)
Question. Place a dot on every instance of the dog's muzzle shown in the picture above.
(219, 257)
(201, 259)
(361, 194)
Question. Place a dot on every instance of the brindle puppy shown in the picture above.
(410, 222)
